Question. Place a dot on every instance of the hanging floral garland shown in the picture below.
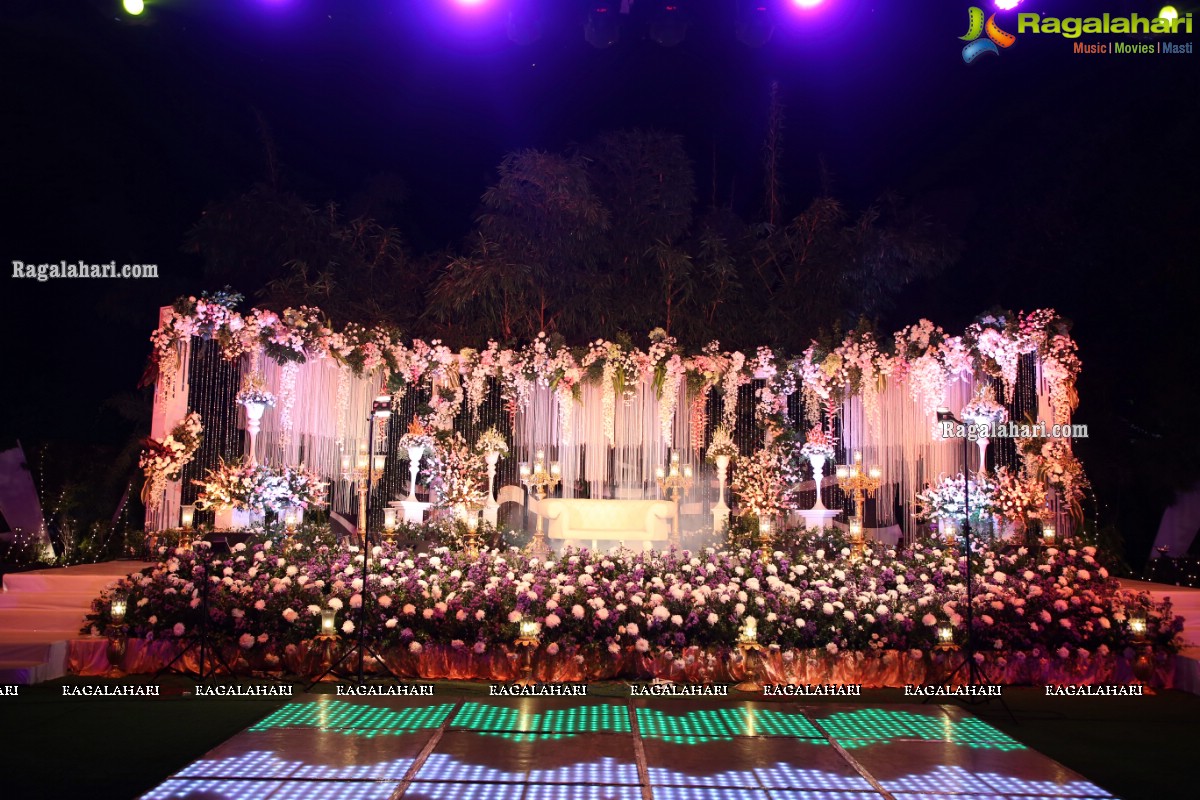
(164, 460)
(669, 374)
(925, 358)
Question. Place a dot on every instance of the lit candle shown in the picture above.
(945, 633)
(555, 469)
(472, 523)
(1137, 623)
(292, 517)
(1049, 534)
(843, 471)
(187, 516)
(675, 457)
(764, 526)
(750, 630)
(660, 473)
(117, 608)
(856, 528)
(529, 629)
(687, 471)
(389, 519)
(346, 465)
(328, 622)
(875, 473)
(363, 460)
(380, 461)
(858, 456)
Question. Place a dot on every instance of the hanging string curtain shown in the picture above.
(611, 414)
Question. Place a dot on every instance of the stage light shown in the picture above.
(524, 22)
(669, 24)
(134, 7)
(807, 3)
(1169, 13)
(755, 22)
(381, 407)
(1007, 5)
(602, 28)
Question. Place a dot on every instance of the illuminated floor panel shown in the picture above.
(463, 791)
(707, 793)
(211, 790)
(550, 749)
(574, 792)
(334, 790)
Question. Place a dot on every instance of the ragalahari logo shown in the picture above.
(996, 38)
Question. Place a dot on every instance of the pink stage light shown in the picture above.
(1007, 5)
(807, 3)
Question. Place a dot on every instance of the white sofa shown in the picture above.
(601, 524)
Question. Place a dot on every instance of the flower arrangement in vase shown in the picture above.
(254, 391)
(491, 441)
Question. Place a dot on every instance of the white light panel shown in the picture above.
(606, 770)
(463, 791)
(212, 790)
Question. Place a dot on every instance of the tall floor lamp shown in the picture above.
(975, 676)
(381, 409)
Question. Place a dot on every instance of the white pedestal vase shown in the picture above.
(491, 509)
(720, 511)
(414, 466)
(982, 444)
(818, 466)
(254, 415)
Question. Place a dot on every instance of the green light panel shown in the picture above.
(697, 727)
(356, 718)
(552, 723)
(876, 726)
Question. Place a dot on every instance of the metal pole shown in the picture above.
(364, 543)
(967, 550)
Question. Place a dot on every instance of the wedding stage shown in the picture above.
(274, 416)
(42, 612)
(469, 748)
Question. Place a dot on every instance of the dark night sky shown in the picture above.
(1071, 179)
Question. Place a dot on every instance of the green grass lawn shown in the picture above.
(100, 748)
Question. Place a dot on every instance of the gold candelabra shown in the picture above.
(366, 469)
(856, 481)
(540, 483)
(537, 479)
(674, 483)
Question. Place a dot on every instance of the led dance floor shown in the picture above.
(471, 748)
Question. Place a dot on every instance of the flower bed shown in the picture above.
(1056, 604)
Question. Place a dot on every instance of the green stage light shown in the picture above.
(484, 718)
(355, 718)
(864, 727)
(723, 724)
(134, 7)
